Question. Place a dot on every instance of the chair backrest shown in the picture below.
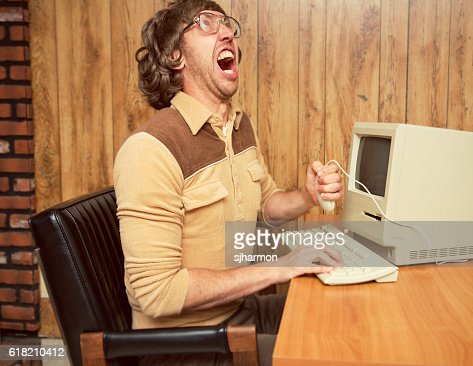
(82, 262)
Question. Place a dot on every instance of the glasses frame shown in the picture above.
(196, 20)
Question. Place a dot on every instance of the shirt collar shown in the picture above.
(237, 113)
(196, 114)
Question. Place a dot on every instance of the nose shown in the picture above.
(225, 33)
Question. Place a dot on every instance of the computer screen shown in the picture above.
(418, 175)
(372, 164)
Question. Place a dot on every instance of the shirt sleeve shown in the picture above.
(148, 184)
(268, 186)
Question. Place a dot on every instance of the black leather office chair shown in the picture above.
(79, 251)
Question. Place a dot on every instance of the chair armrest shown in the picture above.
(240, 340)
(91, 347)
(144, 342)
(242, 343)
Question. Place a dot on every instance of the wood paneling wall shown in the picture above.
(310, 69)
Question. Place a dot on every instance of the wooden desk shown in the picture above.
(426, 318)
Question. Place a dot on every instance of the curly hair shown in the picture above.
(162, 37)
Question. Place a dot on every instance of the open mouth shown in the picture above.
(226, 62)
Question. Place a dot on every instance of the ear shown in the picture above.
(174, 57)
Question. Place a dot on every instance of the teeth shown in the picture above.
(225, 54)
(230, 72)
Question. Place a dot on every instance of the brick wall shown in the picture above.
(19, 293)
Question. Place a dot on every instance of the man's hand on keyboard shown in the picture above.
(305, 260)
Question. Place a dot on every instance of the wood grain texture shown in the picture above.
(242, 343)
(226, 6)
(85, 90)
(130, 108)
(278, 88)
(380, 324)
(353, 33)
(49, 325)
(393, 61)
(92, 351)
(47, 141)
(311, 139)
(460, 96)
(159, 4)
(429, 25)
(45, 101)
(246, 12)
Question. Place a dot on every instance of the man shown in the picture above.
(193, 166)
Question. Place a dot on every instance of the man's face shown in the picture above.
(210, 61)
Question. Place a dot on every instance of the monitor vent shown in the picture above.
(440, 253)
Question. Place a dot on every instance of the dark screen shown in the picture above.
(372, 164)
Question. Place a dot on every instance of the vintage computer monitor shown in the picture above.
(419, 175)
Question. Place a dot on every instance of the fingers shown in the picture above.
(325, 174)
(328, 174)
(325, 260)
(306, 256)
(335, 254)
(307, 260)
(329, 182)
(332, 196)
(329, 187)
(317, 166)
(331, 192)
(329, 169)
(329, 178)
(322, 169)
(317, 269)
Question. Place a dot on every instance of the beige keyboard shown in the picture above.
(360, 263)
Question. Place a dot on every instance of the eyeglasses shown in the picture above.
(209, 23)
